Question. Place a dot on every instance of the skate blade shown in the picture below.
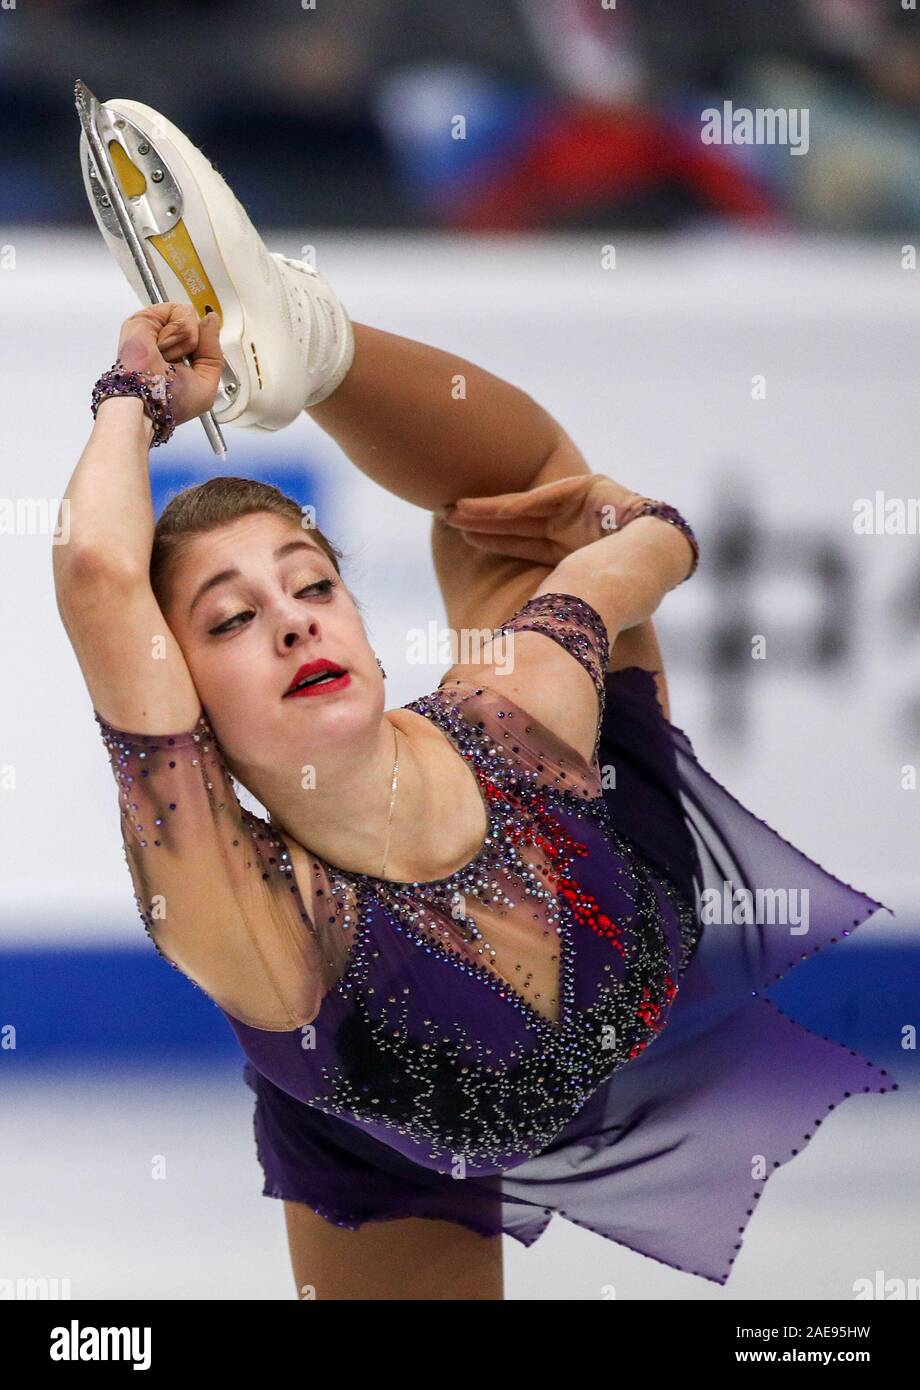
(138, 200)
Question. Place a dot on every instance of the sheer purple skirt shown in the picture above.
(670, 1155)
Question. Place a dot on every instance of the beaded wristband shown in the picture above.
(154, 389)
(666, 512)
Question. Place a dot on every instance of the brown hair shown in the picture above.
(208, 505)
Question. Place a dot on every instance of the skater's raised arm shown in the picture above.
(208, 891)
(626, 575)
(101, 574)
(618, 583)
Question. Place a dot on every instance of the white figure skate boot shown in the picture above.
(286, 338)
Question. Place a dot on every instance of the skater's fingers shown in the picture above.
(155, 314)
(155, 317)
(505, 524)
(194, 387)
(179, 337)
(177, 345)
(541, 552)
(140, 335)
(507, 504)
(163, 325)
(207, 357)
(536, 501)
(137, 348)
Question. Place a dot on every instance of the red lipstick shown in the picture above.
(322, 676)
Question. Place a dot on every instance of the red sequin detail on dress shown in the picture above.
(543, 830)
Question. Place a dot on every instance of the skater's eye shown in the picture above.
(231, 623)
(319, 589)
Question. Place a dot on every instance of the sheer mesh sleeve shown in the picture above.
(575, 625)
(215, 885)
(578, 628)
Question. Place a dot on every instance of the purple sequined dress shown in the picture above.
(403, 1059)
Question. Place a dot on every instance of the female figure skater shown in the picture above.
(468, 957)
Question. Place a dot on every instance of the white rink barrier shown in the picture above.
(766, 388)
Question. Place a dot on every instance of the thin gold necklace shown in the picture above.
(393, 785)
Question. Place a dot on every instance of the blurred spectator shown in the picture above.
(493, 114)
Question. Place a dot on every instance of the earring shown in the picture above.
(380, 664)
